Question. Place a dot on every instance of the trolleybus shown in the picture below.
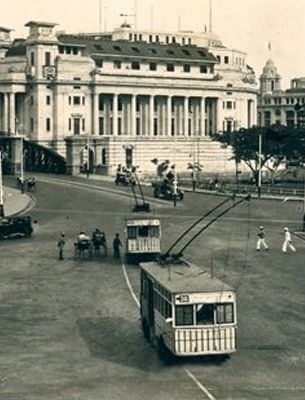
(143, 238)
(185, 311)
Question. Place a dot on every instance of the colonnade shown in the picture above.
(8, 112)
(150, 115)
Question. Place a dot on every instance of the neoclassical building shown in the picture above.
(128, 96)
(275, 105)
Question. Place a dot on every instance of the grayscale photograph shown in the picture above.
(152, 200)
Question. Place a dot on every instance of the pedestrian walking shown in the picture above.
(287, 242)
(116, 246)
(61, 244)
(261, 239)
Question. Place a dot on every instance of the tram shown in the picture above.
(143, 238)
(184, 309)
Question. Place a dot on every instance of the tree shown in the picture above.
(279, 144)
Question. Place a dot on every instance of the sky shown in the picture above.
(247, 25)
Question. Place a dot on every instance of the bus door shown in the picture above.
(150, 303)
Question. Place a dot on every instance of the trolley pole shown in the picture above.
(1, 189)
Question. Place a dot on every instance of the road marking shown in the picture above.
(203, 389)
(192, 376)
(129, 286)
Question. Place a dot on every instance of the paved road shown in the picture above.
(70, 330)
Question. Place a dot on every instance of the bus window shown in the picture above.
(154, 231)
(205, 314)
(224, 313)
(184, 315)
(132, 232)
(143, 231)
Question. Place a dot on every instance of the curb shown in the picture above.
(30, 204)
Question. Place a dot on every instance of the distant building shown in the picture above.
(277, 106)
(129, 96)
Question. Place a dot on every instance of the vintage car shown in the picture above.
(15, 226)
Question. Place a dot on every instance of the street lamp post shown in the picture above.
(1, 189)
(259, 164)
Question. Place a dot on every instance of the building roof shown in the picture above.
(184, 277)
(41, 23)
(3, 29)
(124, 48)
(18, 48)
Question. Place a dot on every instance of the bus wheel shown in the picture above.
(163, 352)
(145, 330)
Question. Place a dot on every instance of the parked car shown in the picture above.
(15, 226)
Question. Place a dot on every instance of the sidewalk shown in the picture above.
(14, 201)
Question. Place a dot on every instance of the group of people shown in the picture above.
(287, 243)
(98, 239)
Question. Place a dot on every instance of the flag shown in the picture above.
(269, 46)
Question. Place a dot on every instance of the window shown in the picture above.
(150, 38)
(76, 100)
(104, 156)
(184, 315)
(229, 105)
(48, 124)
(132, 232)
(153, 66)
(135, 65)
(83, 100)
(186, 68)
(70, 99)
(31, 100)
(157, 38)
(99, 63)
(117, 48)
(32, 124)
(120, 103)
(170, 52)
(186, 52)
(226, 60)
(138, 126)
(75, 51)
(224, 313)
(155, 126)
(201, 53)
(101, 126)
(167, 39)
(76, 126)
(32, 58)
(173, 39)
(117, 64)
(47, 60)
(205, 314)
(70, 124)
(143, 231)
(120, 126)
(218, 59)
(152, 51)
(203, 69)
(83, 124)
(170, 67)
(135, 49)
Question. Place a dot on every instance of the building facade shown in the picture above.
(277, 106)
(127, 96)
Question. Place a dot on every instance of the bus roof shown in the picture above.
(183, 277)
(140, 220)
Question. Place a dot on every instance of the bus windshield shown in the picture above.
(204, 314)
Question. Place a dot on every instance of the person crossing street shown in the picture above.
(261, 239)
(61, 244)
(287, 242)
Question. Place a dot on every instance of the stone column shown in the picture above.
(218, 116)
(5, 112)
(151, 115)
(133, 115)
(115, 114)
(186, 116)
(169, 116)
(95, 114)
(202, 117)
(12, 115)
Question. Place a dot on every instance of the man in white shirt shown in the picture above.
(287, 242)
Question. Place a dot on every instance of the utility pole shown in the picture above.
(175, 168)
(1, 189)
(259, 186)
